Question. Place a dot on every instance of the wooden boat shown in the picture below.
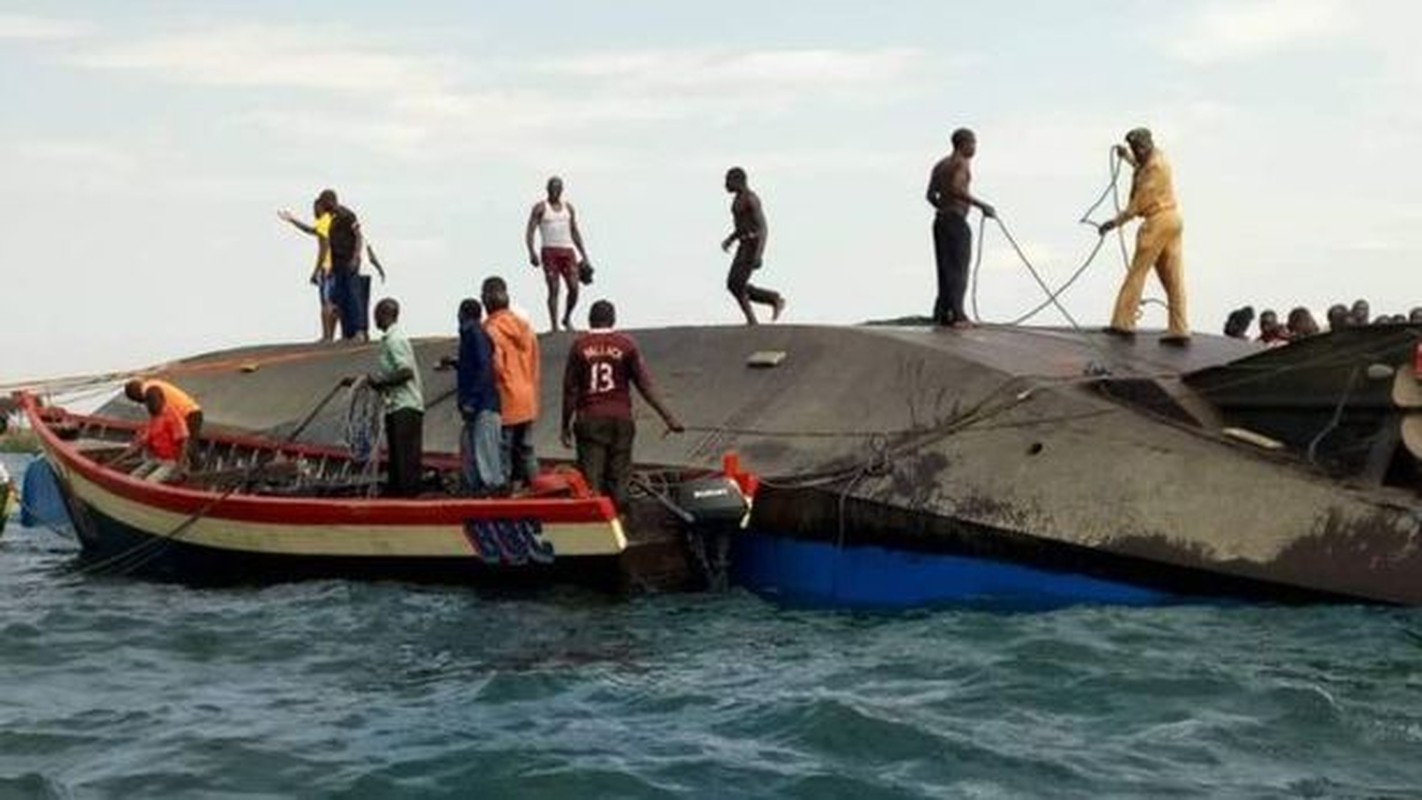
(262, 510)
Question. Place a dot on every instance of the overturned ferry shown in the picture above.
(1002, 466)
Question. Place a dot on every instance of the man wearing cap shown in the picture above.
(1158, 241)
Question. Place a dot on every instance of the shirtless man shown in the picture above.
(952, 238)
(562, 255)
(750, 231)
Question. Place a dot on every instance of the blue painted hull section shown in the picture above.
(817, 573)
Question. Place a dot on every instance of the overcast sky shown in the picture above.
(145, 149)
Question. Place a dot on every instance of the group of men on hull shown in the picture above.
(344, 293)
(498, 359)
(498, 374)
(497, 381)
(1158, 241)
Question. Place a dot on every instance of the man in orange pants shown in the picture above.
(1157, 242)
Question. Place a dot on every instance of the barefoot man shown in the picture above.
(557, 226)
(750, 231)
(952, 238)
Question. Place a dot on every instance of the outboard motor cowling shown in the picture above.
(714, 501)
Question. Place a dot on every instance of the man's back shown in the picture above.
(602, 367)
(515, 366)
(476, 384)
(344, 239)
(950, 181)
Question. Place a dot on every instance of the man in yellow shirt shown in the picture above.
(321, 274)
(1158, 241)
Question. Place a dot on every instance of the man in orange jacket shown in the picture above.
(516, 377)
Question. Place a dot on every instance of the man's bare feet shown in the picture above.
(961, 324)
(777, 309)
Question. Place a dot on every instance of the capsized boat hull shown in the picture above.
(1009, 444)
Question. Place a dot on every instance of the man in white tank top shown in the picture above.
(562, 255)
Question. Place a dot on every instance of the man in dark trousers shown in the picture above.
(749, 236)
(350, 292)
(397, 378)
(952, 238)
(603, 365)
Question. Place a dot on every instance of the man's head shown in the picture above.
(1268, 320)
(387, 313)
(1339, 317)
(555, 188)
(133, 390)
(470, 311)
(153, 399)
(735, 179)
(1140, 141)
(1362, 312)
(965, 142)
(495, 294)
(602, 314)
(1415, 315)
(326, 201)
(1301, 322)
(1238, 322)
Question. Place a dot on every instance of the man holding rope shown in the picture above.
(1158, 241)
(952, 238)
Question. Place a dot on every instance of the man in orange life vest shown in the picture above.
(180, 402)
(1158, 242)
(163, 441)
(603, 365)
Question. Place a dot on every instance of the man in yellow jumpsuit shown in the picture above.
(1157, 241)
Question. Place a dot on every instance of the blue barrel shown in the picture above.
(41, 503)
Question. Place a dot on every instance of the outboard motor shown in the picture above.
(715, 508)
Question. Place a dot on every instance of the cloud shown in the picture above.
(1234, 30)
(16, 26)
(265, 56)
(720, 71)
(377, 95)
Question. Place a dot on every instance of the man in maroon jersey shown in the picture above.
(603, 365)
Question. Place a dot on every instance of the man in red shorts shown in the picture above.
(562, 253)
(603, 365)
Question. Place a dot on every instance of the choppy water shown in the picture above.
(116, 688)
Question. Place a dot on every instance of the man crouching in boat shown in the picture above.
(603, 365)
(162, 441)
(397, 378)
(180, 401)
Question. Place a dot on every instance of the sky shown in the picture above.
(145, 149)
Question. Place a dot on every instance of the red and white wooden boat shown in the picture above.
(261, 510)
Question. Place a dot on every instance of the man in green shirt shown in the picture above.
(397, 378)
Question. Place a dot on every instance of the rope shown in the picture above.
(364, 430)
(1111, 190)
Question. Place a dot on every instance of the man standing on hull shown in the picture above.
(952, 238)
(1158, 241)
(562, 255)
(750, 232)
